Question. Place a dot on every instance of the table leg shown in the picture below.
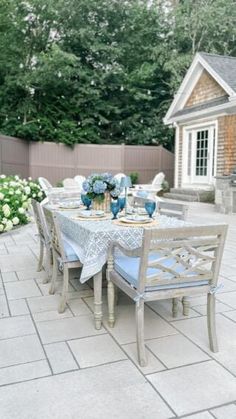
(97, 285)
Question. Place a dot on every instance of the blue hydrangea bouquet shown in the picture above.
(100, 188)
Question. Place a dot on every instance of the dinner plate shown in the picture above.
(69, 205)
(136, 220)
(91, 214)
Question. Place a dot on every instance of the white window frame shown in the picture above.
(187, 181)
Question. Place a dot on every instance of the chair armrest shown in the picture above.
(128, 252)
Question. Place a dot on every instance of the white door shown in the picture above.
(200, 151)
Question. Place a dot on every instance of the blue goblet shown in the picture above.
(115, 208)
(122, 202)
(150, 207)
(86, 201)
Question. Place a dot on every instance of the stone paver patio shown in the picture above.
(58, 366)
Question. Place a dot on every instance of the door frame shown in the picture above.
(188, 180)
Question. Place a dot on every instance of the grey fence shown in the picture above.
(57, 161)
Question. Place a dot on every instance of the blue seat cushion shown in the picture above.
(128, 268)
(69, 251)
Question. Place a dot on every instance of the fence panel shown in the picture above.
(14, 156)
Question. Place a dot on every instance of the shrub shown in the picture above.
(15, 199)
(134, 177)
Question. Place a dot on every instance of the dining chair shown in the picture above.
(79, 180)
(172, 209)
(172, 262)
(46, 186)
(63, 256)
(70, 183)
(44, 239)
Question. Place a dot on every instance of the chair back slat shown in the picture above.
(40, 222)
(55, 233)
(180, 255)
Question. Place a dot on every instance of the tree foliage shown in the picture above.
(102, 71)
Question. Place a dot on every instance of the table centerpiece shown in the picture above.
(101, 188)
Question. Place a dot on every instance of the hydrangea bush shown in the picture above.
(96, 185)
(15, 199)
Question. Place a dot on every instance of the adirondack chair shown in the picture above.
(172, 262)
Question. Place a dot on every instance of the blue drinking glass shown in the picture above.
(86, 201)
(150, 207)
(115, 208)
(122, 202)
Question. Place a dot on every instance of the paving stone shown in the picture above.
(66, 329)
(153, 365)
(124, 329)
(78, 307)
(18, 307)
(30, 274)
(16, 326)
(21, 289)
(228, 298)
(60, 357)
(4, 311)
(24, 372)
(51, 315)
(220, 308)
(164, 308)
(9, 263)
(225, 412)
(20, 350)
(45, 303)
(174, 351)
(96, 350)
(196, 330)
(202, 415)
(117, 390)
(9, 276)
(195, 387)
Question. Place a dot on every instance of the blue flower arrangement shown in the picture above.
(97, 185)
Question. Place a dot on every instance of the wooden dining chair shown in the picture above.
(44, 240)
(172, 262)
(172, 209)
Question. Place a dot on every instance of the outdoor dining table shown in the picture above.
(91, 239)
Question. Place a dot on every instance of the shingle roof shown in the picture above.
(223, 65)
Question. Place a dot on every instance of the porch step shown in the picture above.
(181, 197)
(191, 195)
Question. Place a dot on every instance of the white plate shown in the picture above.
(69, 205)
(136, 220)
(91, 214)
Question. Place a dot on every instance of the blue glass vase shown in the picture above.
(86, 201)
(150, 208)
(115, 208)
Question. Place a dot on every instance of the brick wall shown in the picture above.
(206, 89)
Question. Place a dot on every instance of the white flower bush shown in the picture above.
(15, 199)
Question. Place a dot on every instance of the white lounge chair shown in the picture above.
(155, 186)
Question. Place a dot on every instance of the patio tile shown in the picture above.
(43, 303)
(51, 315)
(78, 307)
(153, 364)
(16, 326)
(175, 351)
(164, 308)
(60, 357)
(9, 276)
(196, 330)
(202, 415)
(227, 358)
(220, 308)
(66, 329)
(18, 307)
(88, 392)
(24, 372)
(16, 290)
(124, 329)
(20, 350)
(225, 412)
(228, 298)
(30, 274)
(231, 315)
(195, 387)
(96, 350)
(10, 263)
(4, 311)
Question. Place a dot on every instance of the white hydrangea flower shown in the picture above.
(4, 220)
(21, 210)
(1, 227)
(15, 221)
(27, 190)
(8, 225)
(40, 194)
(25, 205)
(11, 192)
(34, 195)
(17, 177)
(18, 192)
(29, 178)
(1, 196)
(6, 210)
(3, 176)
(24, 197)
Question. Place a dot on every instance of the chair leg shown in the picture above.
(54, 274)
(139, 308)
(111, 303)
(62, 304)
(48, 267)
(40, 262)
(97, 286)
(186, 306)
(211, 323)
(174, 307)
